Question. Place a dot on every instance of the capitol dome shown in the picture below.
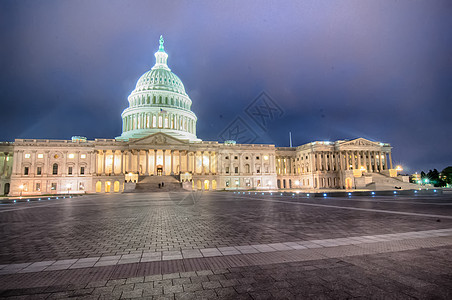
(159, 104)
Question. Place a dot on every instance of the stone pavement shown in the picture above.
(226, 245)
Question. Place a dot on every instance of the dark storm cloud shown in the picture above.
(338, 69)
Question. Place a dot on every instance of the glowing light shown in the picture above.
(14, 201)
(399, 168)
(40, 155)
(362, 169)
(349, 194)
(27, 155)
(265, 157)
(434, 191)
(297, 182)
(307, 195)
(395, 192)
(373, 193)
(21, 186)
(71, 155)
(324, 195)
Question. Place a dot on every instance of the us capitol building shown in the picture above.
(159, 144)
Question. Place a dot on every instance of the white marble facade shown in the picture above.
(159, 139)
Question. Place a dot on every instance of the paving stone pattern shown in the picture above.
(227, 246)
(111, 225)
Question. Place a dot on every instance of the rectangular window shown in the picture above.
(69, 170)
(27, 155)
(26, 171)
(227, 170)
(38, 186)
(71, 155)
(83, 156)
(236, 170)
(53, 186)
(82, 170)
(40, 155)
(38, 171)
(81, 186)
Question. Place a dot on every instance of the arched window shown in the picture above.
(55, 169)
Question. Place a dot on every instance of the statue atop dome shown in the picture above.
(161, 48)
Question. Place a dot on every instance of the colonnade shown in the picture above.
(159, 120)
(366, 160)
(155, 161)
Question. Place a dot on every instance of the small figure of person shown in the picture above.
(160, 185)
(163, 184)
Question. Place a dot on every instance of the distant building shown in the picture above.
(159, 139)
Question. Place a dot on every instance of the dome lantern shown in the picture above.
(161, 57)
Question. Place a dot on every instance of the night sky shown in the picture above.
(381, 70)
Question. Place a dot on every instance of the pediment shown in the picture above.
(157, 139)
(360, 142)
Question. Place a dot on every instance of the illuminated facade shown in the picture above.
(159, 141)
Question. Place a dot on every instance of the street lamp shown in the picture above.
(21, 187)
(399, 168)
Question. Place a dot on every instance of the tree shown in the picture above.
(446, 175)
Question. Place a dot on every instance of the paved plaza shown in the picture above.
(227, 245)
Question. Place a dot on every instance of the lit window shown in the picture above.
(27, 155)
(83, 156)
(53, 186)
(265, 157)
(40, 155)
(71, 155)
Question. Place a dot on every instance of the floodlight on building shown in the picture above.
(399, 168)
(362, 169)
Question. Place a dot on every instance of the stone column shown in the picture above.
(390, 160)
(104, 161)
(381, 161)
(129, 164)
(180, 162)
(164, 163)
(359, 159)
(210, 162)
(122, 162)
(172, 164)
(138, 162)
(187, 161)
(202, 162)
(155, 161)
(147, 161)
(113, 162)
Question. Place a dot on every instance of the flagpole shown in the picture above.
(290, 139)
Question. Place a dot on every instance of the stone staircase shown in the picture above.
(384, 182)
(148, 184)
